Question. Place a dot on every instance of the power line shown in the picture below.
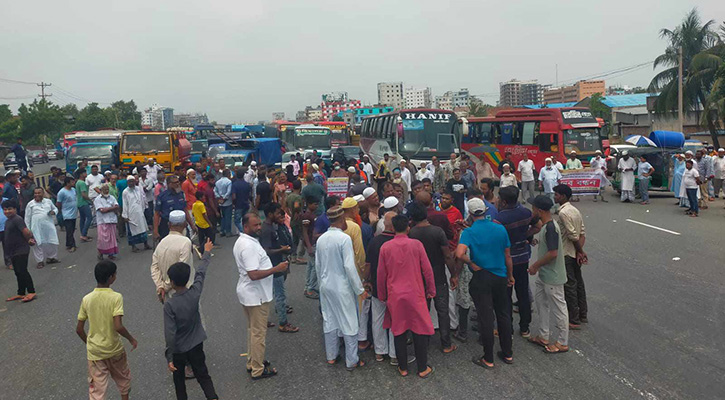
(30, 96)
(16, 81)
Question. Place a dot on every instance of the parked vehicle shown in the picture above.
(38, 156)
(265, 151)
(97, 153)
(11, 163)
(169, 149)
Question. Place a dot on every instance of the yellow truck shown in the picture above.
(168, 149)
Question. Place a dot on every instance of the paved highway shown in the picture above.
(655, 296)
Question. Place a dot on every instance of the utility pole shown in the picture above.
(680, 111)
(43, 85)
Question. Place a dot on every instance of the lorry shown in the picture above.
(168, 149)
(265, 151)
(102, 154)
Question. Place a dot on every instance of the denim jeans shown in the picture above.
(226, 212)
(85, 220)
(238, 214)
(644, 188)
(311, 284)
(280, 299)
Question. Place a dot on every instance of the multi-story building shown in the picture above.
(157, 118)
(301, 116)
(314, 113)
(577, 92)
(190, 119)
(445, 101)
(515, 93)
(277, 116)
(391, 94)
(362, 112)
(331, 109)
(461, 99)
(417, 98)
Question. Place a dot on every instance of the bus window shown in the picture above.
(390, 130)
(484, 133)
(545, 142)
(528, 134)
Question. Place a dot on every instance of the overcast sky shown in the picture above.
(242, 60)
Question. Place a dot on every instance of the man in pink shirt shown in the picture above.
(403, 266)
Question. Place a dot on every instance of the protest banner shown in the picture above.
(337, 187)
(583, 182)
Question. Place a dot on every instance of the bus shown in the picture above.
(540, 133)
(310, 137)
(278, 129)
(418, 134)
(340, 131)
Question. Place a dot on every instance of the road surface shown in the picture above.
(656, 300)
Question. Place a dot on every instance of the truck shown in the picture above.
(168, 149)
(102, 154)
(265, 151)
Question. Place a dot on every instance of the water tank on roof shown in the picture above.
(668, 139)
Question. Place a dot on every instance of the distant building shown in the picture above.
(190, 119)
(515, 93)
(418, 98)
(333, 108)
(301, 116)
(358, 114)
(577, 92)
(445, 101)
(391, 94)
(314, 113)
(461, 99)
(276, 116)
(157, 118)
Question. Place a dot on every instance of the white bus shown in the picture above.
(418, 134)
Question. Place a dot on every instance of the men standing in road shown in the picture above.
(173, 248)
(526, 168)
(40, 218)
(490, 261)
(340, 288)
(134, 207)
(254, 291)
(169, 200)
(223, 193)
(704, 168)
(457, 187)
(550, 281)
(351, 212)
(506, 160)
(573, 162)
(644, 173)
(718, 171)
(573, 237)
(626, 167)
(241, 196)
(549, 177)
(600, 165)
(152, 169)
(20, 155)
(67, 202)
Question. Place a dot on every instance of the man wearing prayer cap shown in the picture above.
(626, 167)
(718, 170)
(373, 202)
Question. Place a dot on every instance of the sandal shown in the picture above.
(450, 349)
(40, 265)
(112, 257)
(29, 297)
(16, 297)
(507, 360)
(53, 261)
(538, 340)
(429, 371)
(555, 348)
(288, 328)
(135, 249)
(359, 364)
(290, 310)
(100, 256)
(268, 372)
(482, 363)
(331, 363)
(270, 324)
(265, 363)
(402, 373)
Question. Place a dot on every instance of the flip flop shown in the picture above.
(359, 364)
(450, 349)
(426, 376)
(538, 341)
(559, 350)
(16, 297)
(480, 362)
(29, 297)
(509, 360)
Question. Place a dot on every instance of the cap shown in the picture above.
(107, 172)
(368, 192)
(336, 163)
(720, 149)
(349, 202)
(476, 206)
(315, 167)
(359, 198)
(190, 170)
(351, 170)
(598, 152)
(177, 217)
(335, 212)
(572, 152)
(543, 202)
(625, 152)
(390, 202)
(547, 159)
(688, 152)
(253, 163)
(131, 178)
(9, 172)
(505, 165)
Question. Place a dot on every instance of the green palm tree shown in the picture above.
(695, 38)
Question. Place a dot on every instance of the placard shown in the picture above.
(337, 187)
(583, 182)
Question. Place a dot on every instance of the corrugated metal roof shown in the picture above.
(626, 100)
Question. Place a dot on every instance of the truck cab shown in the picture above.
(102, 154)
(168, 149)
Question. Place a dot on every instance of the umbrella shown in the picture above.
(639, 140)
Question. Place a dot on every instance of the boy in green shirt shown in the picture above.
(84, 206)
(103, 309)
(549, 289)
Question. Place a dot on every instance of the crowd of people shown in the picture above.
(698, 179)
(394, 260)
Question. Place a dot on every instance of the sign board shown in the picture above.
(337, 187)
(583, 182)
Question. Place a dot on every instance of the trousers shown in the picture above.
(550, 302)
(383, 339)
(441, 302)
(99, 371)
(420, 346)
(85, 220)
(197, 360)
(644, 188)
(527, 190)
(332, 347)
(205, 233)
(363, 318)
(692, 199)
(521, 286)
(574, 290)
(226, 225)
(490, 295)
(280, 299)
(20, 267)
(717, 185)
(311, 281)
(42, 251)
(256, 336)
(70, 230)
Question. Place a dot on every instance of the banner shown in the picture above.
(337, 187)
(583, 182)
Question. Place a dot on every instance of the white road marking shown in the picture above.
(652, 226)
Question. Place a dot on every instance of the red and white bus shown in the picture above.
(416, 133)
(540, 133)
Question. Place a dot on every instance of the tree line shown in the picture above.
(44, 118)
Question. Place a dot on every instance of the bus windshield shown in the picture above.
(340, 136)
(582, 140)
(146, 143)
(424, 137)
(96, 152)
(312, 139)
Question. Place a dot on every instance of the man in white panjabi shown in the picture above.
(40, 219)
(626, 167)
(600, 165)
(134, 206)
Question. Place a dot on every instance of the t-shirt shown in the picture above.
(487, 242)
(434, 240)
(68, 202)
(527, 170)
(553, 273)
(517, 221)
(241, 190)
(264, 193)
(318, 192)
(199, 210)
(10, 193)
(94, 182)
(308, 220)
(99, 307)
(14, 241)
(290, 201)
(81, 187)
(689, 178)
(643, 168)
(322, 224)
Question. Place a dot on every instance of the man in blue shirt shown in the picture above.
(169, 200)
(322, 224)
(67, 203)
(223, 192)
(490, 261)
(520, 226)
(20, 155)
(9, 190)
(241, 194)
